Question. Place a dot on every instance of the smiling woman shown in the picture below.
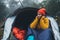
(25, 15)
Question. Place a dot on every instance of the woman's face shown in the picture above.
(39, 14)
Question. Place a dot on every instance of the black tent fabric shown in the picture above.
(24, 17)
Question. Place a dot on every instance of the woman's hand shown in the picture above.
(44, 22)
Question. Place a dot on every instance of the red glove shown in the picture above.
(18, 33)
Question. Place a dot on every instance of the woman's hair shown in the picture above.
(24, 17)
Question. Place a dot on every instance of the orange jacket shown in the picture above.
(43, 23)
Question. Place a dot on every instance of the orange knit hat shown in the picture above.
(42, 11)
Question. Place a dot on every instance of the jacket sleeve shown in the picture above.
(44, 23)
(34, 23)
